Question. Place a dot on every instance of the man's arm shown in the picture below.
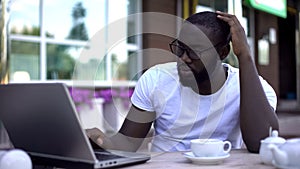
(256, 114)
(131, 135)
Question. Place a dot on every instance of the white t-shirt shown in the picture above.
(182, 114)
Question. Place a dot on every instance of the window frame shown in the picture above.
(43, 41)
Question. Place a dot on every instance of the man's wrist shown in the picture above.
(245, 59)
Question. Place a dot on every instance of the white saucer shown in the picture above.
(283, 167)
(205, 160)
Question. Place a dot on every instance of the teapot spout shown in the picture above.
(279, 156)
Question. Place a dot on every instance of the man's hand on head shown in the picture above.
(238, 37)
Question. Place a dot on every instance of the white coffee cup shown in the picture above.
(210, 147)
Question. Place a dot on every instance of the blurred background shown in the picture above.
(46, 40)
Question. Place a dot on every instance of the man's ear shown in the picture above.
(224, 52)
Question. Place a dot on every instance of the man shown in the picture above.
(199, 96)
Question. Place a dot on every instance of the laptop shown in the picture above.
(41, 119)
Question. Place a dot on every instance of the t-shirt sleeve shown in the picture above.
(270, 93)
(141, 96)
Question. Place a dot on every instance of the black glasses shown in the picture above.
(178, 49)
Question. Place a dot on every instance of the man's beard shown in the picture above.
(193, 79)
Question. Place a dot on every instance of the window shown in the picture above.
(212, 5)
(55, 40)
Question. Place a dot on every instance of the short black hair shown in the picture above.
(210, 20)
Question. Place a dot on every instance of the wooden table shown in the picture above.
(238, 159)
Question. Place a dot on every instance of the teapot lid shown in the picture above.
(274, 138)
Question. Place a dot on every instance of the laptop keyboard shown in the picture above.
(106, 156)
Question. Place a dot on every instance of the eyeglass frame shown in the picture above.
(188, 50)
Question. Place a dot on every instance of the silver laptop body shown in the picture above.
(41, 119)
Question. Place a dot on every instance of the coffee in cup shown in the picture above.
(210, 147)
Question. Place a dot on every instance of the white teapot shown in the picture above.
(287, 154)
(264, 152)
(15, 159)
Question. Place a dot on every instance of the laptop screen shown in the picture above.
(42, 120)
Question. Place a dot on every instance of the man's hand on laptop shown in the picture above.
(98, 137)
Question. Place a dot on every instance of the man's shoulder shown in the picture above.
(167, 65)
(233, 72)
(231, 68)
(164, 68)
(162, 73)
